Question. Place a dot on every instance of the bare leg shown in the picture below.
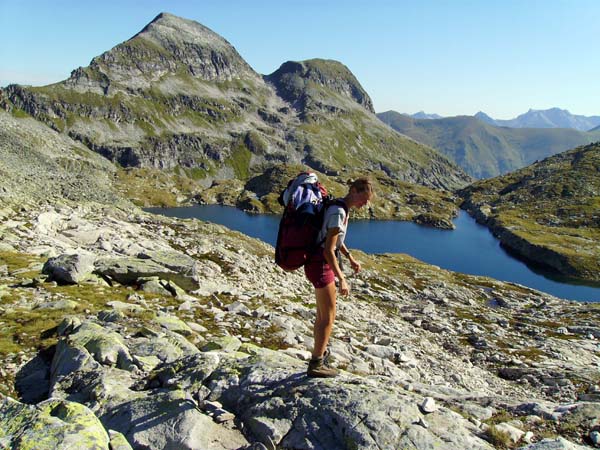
(326, 298)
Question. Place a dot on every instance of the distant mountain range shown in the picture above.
(548, 118)
(534, 118)
(424, 115)
(483, 150)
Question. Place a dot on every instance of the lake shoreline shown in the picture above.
(470, 249)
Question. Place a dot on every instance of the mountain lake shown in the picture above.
(470, 248)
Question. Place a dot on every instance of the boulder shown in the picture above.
(90, 341)
(239, 308)
(153, 286)
(128, 270)
(168, 419)
(554, 444)
(174, 324)
(166, 346)
(428, 405)
(70, 269)
(118, 441)
(225, 344)
(51, 424)
(515, 434)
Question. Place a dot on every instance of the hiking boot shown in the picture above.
(326, 356)
(318, 369)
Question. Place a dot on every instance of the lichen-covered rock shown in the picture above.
(174, 324)
(118, 441)
(167, 346)
(225, 343)
(86, 350)
(52, 424)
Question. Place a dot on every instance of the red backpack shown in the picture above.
(305, 201)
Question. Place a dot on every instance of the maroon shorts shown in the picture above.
(318, 271)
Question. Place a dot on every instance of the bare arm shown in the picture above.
(329, 254)
(353, 263)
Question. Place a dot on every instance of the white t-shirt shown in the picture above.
(335, 217)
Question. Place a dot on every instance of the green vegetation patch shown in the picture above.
(553, 205)
(239, 161)
(148, 187)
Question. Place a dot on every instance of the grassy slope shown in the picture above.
(183, 132)
(483, 150)
(553, 204)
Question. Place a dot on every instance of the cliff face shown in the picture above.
(178, 96)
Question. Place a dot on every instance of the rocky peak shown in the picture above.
(293, 81)
(167, 45)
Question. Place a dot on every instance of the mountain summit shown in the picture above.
(178, 97)
(169, 45)
(545, 118)
(300, 83)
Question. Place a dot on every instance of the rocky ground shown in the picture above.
(125, 330)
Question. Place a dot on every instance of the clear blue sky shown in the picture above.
(448, 57)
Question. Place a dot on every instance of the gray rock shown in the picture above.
(381, 351)
(225, 343)
(272, 396)
(196, 327)
(105, 346)
(169, 420)
(68, 359)
(178, 262)
(554, 444)
(125, 307)
(59, 304)
(428, 405)
(128, 270)
(166, 346)
(153, 286)
(33, 380)
(513, 432)
(70, 269)
(111, 315)
(238, 307)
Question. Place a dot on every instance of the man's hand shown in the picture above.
(344, 289)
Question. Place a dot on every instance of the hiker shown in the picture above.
(322, 268)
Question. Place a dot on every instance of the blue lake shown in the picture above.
(470, 248)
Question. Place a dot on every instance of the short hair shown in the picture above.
(362, 185)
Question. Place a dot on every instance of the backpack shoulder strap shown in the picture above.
(329, 201)
(337, 202)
